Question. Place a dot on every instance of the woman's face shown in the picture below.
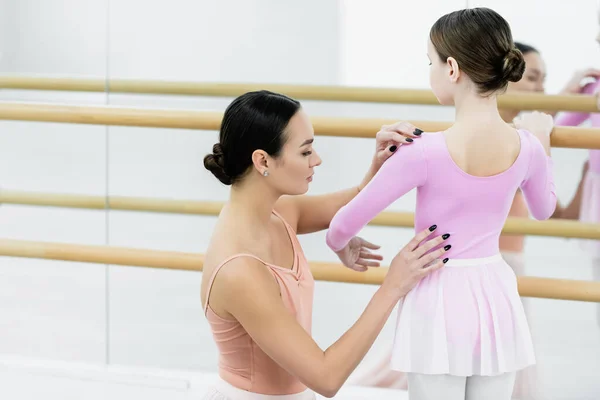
(292, 172)
(534, 76)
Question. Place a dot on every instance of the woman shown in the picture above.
(257, 288)
(462, 332)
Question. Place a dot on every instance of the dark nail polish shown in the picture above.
(409, 140)
(447, 247)
(417, 132)
(445, 236)
(445, 260)
(393, 149)
(432, 228)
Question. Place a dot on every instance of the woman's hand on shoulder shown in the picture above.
(390, 137)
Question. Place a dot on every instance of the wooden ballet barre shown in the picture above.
(513, 226)
(567, 137)
(521, 101)
(547, 288)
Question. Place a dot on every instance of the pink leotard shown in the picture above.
(473, 209)
(466, 318)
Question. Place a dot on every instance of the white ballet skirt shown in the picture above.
(590, 210)
(464, 319)
(222, 390)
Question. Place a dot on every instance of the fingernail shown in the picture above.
(393, 149)
(445, 236)
(445, 260)
(409, 140)
(432, 228)
(447, 247)
(417, 132)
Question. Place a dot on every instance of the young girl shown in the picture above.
(378, 373)
(461, 332)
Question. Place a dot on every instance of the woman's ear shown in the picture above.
(260, 160)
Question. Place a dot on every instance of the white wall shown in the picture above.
(385, 42)
(64, 37)
(144, 317)
(257, 40)
(8, 35)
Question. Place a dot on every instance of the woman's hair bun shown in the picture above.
(215, 163)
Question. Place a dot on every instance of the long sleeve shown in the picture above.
(538, 186)
(570, 118)
(576, 118)
(402, 172)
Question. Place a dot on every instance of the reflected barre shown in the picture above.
(514, 225)
(520, 101)
(548, 288)
(567, 137)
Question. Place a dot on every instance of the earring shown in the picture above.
(266, 173)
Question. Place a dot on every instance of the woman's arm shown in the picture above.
(258, 307)
(574, 85)
(576, 118)
(571, 211)
(571, 118)
(309, 214)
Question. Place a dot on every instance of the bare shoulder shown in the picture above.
(233, 265)
(239, 277)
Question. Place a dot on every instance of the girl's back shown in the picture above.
(472, 208)
(481, 150)
(467, 191)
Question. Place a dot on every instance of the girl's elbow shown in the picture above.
(545, 213)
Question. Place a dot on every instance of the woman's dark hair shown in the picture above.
(253, 121)
(481, 42)
(525, 48)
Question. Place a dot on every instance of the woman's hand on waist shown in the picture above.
(415, 261)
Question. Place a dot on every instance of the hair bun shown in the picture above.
(215, 163)
(514, 65)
